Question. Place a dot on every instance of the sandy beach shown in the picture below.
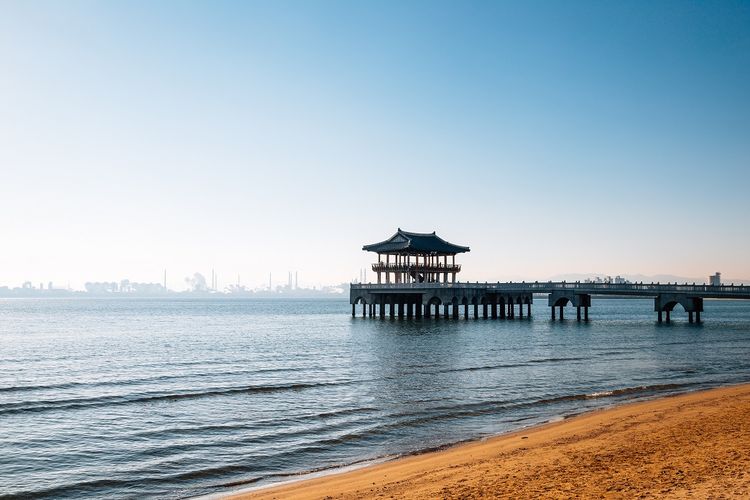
(691, 445)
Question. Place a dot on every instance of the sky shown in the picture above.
(265, 137)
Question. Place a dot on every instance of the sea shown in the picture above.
(187, 397)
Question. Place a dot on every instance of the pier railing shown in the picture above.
(642, 289)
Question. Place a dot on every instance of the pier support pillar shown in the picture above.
(364, 309)
(528, 309)
(520, 311)
(659, 317)
(561, 313)
(445, 311)
(400, 310)
(476, 310)
(354, 310)
(690, 316)
(503, 310)
(553, 312)
(466, 311)
(697, 316)
(427, 308)
(418, 309)
(668, 318)
(578, 313)
(455, 311)
(494, 310)
(585, 313)
(410, 309)
(484, 311)
(392, 310)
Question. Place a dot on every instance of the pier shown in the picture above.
(416, 280)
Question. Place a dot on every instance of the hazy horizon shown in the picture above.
(267, 137)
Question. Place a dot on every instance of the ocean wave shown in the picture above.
(142, 380)
(641, 389)
(66, 404)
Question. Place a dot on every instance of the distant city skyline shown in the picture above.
(197, 283)
(263, 137)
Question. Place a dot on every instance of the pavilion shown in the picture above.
(415, 258)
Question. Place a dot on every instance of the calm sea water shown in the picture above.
(177, 398)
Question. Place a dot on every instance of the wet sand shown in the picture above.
(691, 445)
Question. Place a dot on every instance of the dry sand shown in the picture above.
(693, 445)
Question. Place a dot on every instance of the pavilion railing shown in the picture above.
(394, 267)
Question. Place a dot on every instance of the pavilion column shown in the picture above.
(379, 262)
(387, 273)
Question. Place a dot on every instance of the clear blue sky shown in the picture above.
(256, 137)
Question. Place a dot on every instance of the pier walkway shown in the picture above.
(506, 300)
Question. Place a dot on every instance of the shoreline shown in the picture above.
(452, 470)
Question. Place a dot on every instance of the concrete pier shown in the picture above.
(498, 300)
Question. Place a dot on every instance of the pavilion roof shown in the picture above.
(415, 243)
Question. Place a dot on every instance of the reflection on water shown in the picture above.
(174, 398)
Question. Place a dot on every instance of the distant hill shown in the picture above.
(657, 278)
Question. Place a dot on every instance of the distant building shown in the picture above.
(715, 280)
